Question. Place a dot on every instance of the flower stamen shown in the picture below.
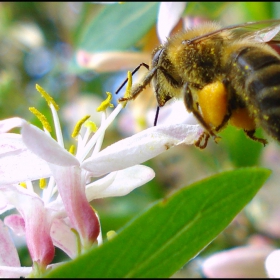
(78, 125)
(111, 234)
(91, 126)
(72, 149)
(54, 108)
(47, 97)
(42, 183)
(128, 87)
(41, 118)
(106, 103)
(22, 184)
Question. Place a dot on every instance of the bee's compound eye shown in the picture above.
(156, 57)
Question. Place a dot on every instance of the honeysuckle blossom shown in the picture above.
(241, 262)
(272, 264)
(65, 218)
(169, 15)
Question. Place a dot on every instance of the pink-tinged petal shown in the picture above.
(141, 147)
(38, 237)
(241, 262)
(16, 223)
(125, 181)
(8, 251)
(17, 163)
(71, 186)
(37, 223)
(272, 264)
(8, 124)
(46, 147)
(168, 16)
(14, 272)
(110, 61)
(64, 238)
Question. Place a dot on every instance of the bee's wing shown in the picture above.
(263, 31)
(267, 31)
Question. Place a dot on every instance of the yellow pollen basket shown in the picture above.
(240, 118)
(213, 103)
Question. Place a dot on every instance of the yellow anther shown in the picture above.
(106, 103)
(23, 185)
(78, 126)
(111, 234)
(72, 149)
(41, 118)
(47, 97)
(129, 84)
(91, 125)
(141, 122)
(42, 183)
(127, 93)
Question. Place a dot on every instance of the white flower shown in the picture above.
(48, 220)
(272, 264)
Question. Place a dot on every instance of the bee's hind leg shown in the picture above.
(250, 134)
(191, 107)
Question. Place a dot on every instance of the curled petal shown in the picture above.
(272, 264)
(110, 61)
(64, 238)
(17, 163)
(141, 147)
(98, 186)
(8, 124)
(46, 147)
(37, 226)
(124, 182)
(16, 223)
(71, 186)
(8, 251)
(241, 262)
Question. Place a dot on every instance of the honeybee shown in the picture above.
(229, 74)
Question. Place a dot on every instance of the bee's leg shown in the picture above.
(224, 121)
(189, 103)
(132, 73)
(250, 134)
(139, 87)
(198, 142)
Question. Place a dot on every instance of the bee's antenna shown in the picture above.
(156, 116)
(134, 71)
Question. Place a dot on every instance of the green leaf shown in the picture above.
(242, 151)
(172, 231)
(119, 26)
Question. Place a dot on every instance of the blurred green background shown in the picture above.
(39, 42)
